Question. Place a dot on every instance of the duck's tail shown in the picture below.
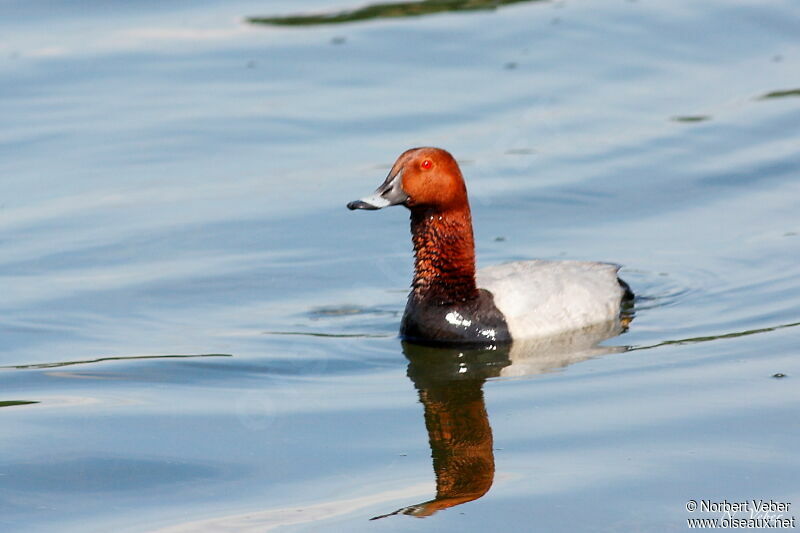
(628, 296)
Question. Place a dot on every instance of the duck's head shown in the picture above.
(421, 178)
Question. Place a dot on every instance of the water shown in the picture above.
(207, 337)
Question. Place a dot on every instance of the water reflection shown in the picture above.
(781, 94)
(13, 403)
(450, 386)
(116, 358)
(538, 356)
(707, 338)
(691, 118)
(389, 10)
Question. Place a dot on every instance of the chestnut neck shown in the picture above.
(444, 255)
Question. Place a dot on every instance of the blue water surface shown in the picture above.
(196, 335)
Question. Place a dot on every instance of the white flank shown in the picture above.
(543, 298)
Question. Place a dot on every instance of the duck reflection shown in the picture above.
(384, 11)
(450, 386)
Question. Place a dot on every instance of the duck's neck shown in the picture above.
(444, 251)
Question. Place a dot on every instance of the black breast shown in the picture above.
(475, 322)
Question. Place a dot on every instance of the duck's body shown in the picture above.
(542, 298)
(514, 301)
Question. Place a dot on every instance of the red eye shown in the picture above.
(426, 164)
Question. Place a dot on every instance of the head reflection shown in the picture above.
(450, 386)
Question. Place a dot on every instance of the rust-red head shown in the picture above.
(421, 178)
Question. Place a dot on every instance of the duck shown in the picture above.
(452, 303)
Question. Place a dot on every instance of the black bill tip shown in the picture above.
(360, 204)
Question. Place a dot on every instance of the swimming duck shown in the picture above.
(449, 302)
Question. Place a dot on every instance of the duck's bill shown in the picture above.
(389, 193)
